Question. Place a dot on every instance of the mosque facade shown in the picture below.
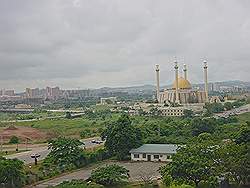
(181, 92)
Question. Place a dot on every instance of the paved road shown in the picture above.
(137, 171)
(236, 111)
(25, 156)
(43, 151)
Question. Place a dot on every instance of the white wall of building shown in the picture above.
(154, 157)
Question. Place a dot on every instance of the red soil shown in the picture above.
(23, 133)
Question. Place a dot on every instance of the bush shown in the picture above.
(77, 184)
(86, 133)
(14, 140)
(110, 175)
(167, 180)
(11, 173)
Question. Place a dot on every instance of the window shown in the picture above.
(144, 155)
(156, 156)
(136, 155)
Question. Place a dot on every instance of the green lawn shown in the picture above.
(244, 117)
(34, 115)
(63, 126)
(12, 152)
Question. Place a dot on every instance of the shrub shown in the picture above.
(110, 175)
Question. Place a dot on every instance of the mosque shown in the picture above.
(182, 92)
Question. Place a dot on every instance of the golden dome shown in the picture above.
(182, 84)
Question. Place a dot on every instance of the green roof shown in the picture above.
(156, 149)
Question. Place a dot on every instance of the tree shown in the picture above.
(243, 136)
(199, 126)
(11, 173)
(228, 106)
(234, 163)
(68, 115)
(65, 151)
(110, 175)
(188, 113)
(155, 111)
(193, 163)
(86, 133)
(122, 136)
(214, 107)
(14, 140)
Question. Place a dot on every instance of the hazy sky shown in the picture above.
(95, 43)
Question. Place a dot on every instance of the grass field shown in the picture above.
(34, 115)
(244, 117)
(73, 127)
(2, 153)
(63, 126)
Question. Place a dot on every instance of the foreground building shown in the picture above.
(154, 152)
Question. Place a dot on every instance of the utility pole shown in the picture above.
(1, 143)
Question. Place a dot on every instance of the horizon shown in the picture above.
(116, 87)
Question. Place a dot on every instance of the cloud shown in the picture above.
(94, 43)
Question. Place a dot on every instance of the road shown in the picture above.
(43, 151)
(236, 111)
(137, 171)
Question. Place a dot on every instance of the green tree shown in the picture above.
(77, 184)
(243, 136)
(155, 111)
(122, 137)
(65, 151)
(199, 126)
(188, 113)
(86, 133)
(14, 140)
(214, 107)
(110, 175)
(234, 162)
(68, 115)
(193, 163)
(11, 173)
(228, 105)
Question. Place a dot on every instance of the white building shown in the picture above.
(154, 152)
(108, 100)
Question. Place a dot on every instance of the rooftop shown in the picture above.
(156, 149)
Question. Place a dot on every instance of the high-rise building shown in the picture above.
(55, 93)
(10, 92)
(52, 93)
(28, 93)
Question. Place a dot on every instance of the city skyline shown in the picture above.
(78, 44)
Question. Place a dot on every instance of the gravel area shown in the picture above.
(138, 171)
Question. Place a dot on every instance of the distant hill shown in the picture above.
(151, 88)
(130, 89)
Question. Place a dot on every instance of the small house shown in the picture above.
(154, 152)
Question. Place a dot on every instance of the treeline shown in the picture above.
(205, 162)
(219, 107)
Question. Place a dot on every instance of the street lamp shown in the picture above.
(35, 156)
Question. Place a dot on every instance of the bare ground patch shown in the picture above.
(23, 133)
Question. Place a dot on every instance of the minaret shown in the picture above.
(157, 83)
(185, 71)
(205, 80)
(177, 85)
